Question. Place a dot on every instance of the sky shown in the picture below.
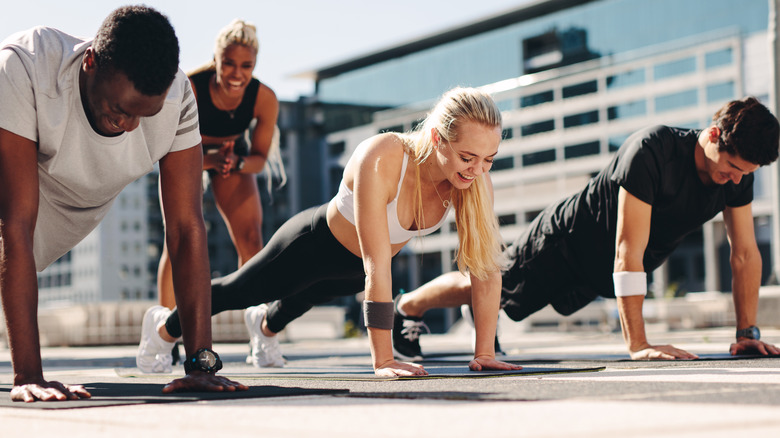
(295, 36)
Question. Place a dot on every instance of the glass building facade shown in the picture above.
(572, 32)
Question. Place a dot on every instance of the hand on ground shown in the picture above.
(48, 391)
(199, 381)
(490, 363)
(752, 346)
(662, 352)
(395, 368)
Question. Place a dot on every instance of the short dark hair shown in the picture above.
(748, 129)
(141, 43)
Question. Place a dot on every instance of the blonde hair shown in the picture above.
(480, 247)
(237, 32)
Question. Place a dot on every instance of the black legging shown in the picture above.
(302, 265)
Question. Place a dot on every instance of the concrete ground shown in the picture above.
(712, 398)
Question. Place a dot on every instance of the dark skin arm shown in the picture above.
(185, 233)
(18, 280)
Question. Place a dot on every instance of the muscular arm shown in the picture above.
(185, 234)
(18, 283)
(18, 280)
(633, 233)
(745, 263)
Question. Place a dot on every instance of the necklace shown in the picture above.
(446, 203)
(222, 102)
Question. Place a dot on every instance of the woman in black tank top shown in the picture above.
(237, 116)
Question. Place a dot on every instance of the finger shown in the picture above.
(80, 391)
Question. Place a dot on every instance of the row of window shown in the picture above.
(717, 92)
(54, 280)
(634, 77)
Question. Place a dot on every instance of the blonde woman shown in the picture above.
(395, 187)
(230, 101)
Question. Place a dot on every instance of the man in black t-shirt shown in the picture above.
(662, 184)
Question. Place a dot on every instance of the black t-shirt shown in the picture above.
(657, 166)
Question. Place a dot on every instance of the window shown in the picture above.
(507, 133)
(536, 99)
(539, 157)
(626, 79)
(627, 110)
(616, 141)
(531, 215)
(581, 119)
(718, 58)
(336, 149)
(580, 89)
(674, 68)
(720, 92)
(537, 127)
(677, 100)
(396, 128)
(507, 219)
(503, 163)
(581, 150)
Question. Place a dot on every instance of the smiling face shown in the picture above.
(234, 69)
(720, 167)
(470, 155)
(111, 101)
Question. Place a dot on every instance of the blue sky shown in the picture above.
(295, 35)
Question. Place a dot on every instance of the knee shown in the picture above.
(458, 282)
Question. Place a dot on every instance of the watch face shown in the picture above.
(206, 359)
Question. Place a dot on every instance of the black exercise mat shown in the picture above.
(561, 358)
(119, 394)
(367, 374)
(361, 373)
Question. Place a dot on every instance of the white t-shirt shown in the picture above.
(80, 171)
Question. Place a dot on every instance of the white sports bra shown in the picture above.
(345, 202)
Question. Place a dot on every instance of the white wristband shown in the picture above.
(629, 284)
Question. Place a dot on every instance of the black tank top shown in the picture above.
(215, 122)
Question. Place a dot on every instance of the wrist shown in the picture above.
(748, 333)
(239, 165)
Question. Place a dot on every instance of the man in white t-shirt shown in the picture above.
(79, 120)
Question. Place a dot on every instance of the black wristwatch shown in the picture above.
(205, 360)
(751, 332)
(239, 165)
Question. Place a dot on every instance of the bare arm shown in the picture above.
(374, 185)
(633, 233)
(266, 113)
(745, 263)
(18, 279)
(486, 301)
(185, 234)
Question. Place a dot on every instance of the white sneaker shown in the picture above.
(154, 353)
(265, 350)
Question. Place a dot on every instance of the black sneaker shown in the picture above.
(175, 355)
(467, 312)
(406, 334)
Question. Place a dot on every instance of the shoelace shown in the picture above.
(412, 329)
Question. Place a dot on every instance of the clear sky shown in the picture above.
(295, 35)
